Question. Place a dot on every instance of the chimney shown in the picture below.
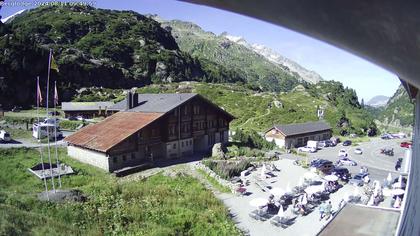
(129, 100)
(135, 100)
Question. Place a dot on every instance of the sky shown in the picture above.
(330, 62)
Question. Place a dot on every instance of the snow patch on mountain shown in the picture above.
(275, 57)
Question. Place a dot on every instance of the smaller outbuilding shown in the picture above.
(87, 110)
(297, 135)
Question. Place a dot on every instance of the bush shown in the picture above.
(227, 169)
(252, 139)
(70, 124)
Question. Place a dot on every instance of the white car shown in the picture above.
(4, 136)
(307, 149)
(358, 151)
(342, 153)
(346, 161)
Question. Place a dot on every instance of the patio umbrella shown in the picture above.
(314, 189)
(400, 179)
(288, 189)
(331, 178)
(277, 192)
(389, 178)
(310, 175)
(257, 202)
(263, 169)
(346, 197)
(397, 192)
(304, 200)
(301, 181)
(356, 192)
(281, 211)
(371, 200)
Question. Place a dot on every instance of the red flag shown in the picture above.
(38, 93)
(55, 94)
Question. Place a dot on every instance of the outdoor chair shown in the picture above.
(283, 222)
(260, 214)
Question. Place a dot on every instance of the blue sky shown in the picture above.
(330, 62)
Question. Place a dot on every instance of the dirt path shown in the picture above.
(253, 118)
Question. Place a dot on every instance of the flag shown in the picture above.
(55, 94)
(38, 93)
(53, 65)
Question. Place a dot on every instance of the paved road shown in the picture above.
(379, 165)
(32, 143)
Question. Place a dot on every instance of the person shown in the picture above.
(327, 210)
(366, 179)
(321, 211)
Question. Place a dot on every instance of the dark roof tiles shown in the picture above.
(302, 128)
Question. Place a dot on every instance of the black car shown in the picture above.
(318, 162)
(72, 118)
(347, 143)
(342, 173)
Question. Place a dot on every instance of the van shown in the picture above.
(312, 144)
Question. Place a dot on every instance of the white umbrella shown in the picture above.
(314, 189)
(281, 211)
(346, 197)
(300, 183)
(400, 179)
(257, 202)
(304, 200)
(331, 178)
(389, 178)
(397, 192)
(356, 192)
(288, 189)
(310, 175)
(263, 169)
(277, 192)
(398, 185)
(371, 200)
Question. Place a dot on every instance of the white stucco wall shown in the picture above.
(97, 159)
(279, 142)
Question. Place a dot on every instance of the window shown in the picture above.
(114, 159)
(133, 156)
(124, 158)
(186, 110)
(190, 142)
(196, 110)
(172, 129)
(174, 146)
(182, 144)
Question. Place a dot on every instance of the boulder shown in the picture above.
(217, 151)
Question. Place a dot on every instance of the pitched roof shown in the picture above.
(85, 106)
(302, 128)
(111, 131)
(161, 102)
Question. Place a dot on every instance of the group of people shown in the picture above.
(332, 186)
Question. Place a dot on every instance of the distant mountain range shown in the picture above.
(378, 101)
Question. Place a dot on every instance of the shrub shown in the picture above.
(70, 124)
(252, 139)
(227, 169)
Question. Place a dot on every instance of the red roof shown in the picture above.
(111, 131)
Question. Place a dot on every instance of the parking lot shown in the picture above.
(379, 165)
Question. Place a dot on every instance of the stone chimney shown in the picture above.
(129, 100)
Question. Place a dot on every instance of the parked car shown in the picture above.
(406, 144)
(80, 118)
(358, 179)
(322, 165)
(342, 153)
(5, 136)
(358, 151)
(346, 161)
(54, 113)
(387, 151)
(72, 118)
(307, 149)
(342, 173)
(325, 143)
(347, 143)
(51, 121)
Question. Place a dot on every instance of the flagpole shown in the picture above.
(55, 132)
(38, 96)
(48, 131)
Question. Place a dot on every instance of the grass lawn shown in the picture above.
(159, 205)
(31, 113)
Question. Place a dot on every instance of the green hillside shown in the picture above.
(260, 110)
(398, 112)
(92, 47)
(208, 47)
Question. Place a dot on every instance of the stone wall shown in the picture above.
(94, 158)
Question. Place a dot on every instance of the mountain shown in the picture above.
(378, 101)
(11, 17)
(93, 47)
(397, 114)
(236, 56)
(273, 56)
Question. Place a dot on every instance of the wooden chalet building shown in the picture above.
(297, 135)
(149, 127)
